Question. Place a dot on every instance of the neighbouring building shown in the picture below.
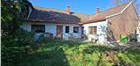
(138, 31)
(120, 20)
(101, 27)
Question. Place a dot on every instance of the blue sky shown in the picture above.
(81, 6)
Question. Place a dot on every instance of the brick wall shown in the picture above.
(125, 23)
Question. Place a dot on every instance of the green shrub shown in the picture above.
(16, 48)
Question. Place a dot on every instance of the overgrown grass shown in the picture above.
(66, 53)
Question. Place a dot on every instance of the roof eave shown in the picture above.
(54, 22)
(120, 11)
(91, 21)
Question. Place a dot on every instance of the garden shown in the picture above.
(54, 52)
(18, 47)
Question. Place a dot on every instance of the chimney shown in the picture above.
(68, 9)
(97, 10)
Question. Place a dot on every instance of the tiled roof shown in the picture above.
(102, 15)
(60, 16)
(55, 16)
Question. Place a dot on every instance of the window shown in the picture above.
(38, 28)
(93, 30)
(75, 29)
(67, 29)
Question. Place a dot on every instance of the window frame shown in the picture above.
(67, 29)
(92, 30)
(38, 28)
(75, 29)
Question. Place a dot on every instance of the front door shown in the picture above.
(59, 30)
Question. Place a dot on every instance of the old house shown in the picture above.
(59, 23)
(110, 24)
(101, 27)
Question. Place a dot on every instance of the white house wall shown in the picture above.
(71, 33)
(101, 31)
(51, 28)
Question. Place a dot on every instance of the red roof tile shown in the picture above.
(102, 15)
(51, 15)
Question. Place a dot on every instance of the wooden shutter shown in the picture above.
(93, 30)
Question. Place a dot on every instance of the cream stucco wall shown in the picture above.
(51, 28)
(71, 33)
(101, 31)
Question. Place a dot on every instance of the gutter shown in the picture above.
(121, 10)
(92, 21)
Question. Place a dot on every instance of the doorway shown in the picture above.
(59, 31)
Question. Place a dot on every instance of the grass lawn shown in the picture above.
(66, 53)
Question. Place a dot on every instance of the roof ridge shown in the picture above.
(117, 6)
(63, 11)
(111, 8)
(126, 6)
(43, 8)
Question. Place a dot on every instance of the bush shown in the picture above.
(16, 47)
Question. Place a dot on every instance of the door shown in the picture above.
(59, 31)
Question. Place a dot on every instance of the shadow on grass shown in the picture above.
(53, 53)
(50, 53)
(54, 57)
(57, 43)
